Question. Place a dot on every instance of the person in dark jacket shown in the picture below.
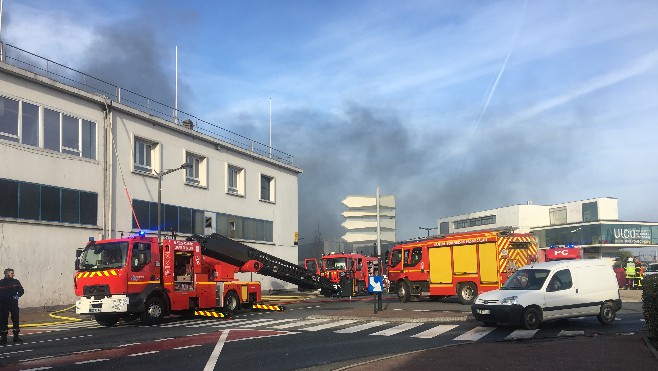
(10, 290)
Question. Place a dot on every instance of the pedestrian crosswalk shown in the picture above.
(463, 332)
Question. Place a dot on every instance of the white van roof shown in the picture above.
(560, 264)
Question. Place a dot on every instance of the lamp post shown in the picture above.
(427, 229)
(160, 175)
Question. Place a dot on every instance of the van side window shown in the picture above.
(561, 281)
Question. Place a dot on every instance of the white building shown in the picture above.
(592, 224)
(69, 158)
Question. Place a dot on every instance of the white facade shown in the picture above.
(86, 168)
(525, 217)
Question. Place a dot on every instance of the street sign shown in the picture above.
(375, 284)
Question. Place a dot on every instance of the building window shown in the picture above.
(474, 222)
(196, 174)
(235, 180)
(243, 228)
(144, 153)
(558, 215)
(9, 119)
(61, 133)
(29, 201)
(590, 212)
(266, 188)
(174, 218)
(443, 228)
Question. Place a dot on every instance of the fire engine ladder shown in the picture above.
(235, 253)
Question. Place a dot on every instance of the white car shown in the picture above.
(552, 290)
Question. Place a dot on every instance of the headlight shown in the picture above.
(510, 300)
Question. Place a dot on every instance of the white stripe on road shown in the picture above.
(212, 361)
(475, 334)
(92, 361)
(521, 334)
(187, 346)
(302, 323)
(143, 353)
(397, 329)
(365, 326)
(266, 322)
(328, 325)
(434, 331)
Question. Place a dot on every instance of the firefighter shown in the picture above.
(630, 273)
(639, 273)
(10, 290)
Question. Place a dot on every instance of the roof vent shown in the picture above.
(188, 124)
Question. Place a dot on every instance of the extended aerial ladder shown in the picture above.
(238, 254)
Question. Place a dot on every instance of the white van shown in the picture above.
(552, 290)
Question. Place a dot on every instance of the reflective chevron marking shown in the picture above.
(362, 327)
(475, 334)
(434, 331)
(397, 329)
(521, 334)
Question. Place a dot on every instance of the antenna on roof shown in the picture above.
(176, 93)
(270, 127)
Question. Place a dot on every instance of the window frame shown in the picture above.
(231, 188)
(149, 154)
(271, 188)
(198, 170)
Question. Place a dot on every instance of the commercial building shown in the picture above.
(81, 158)
(592, 224)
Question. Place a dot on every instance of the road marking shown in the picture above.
(92, 361)
(9, 354)
(328, 325)
(266, 322)
(365, 326)
(187, 346)
(302, 323)
(397, 329)
(521, 334)
(38, 368)
(143, 353)
(129, 344)
(212, 361)
(435, 331)
(475, 334)
(571, 333)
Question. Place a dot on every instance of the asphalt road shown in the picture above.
(316, 334)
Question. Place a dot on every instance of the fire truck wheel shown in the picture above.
(607, 314)
(531, 318)
(403, 292)
(107, 320)
(467, 293)
(231, 302)
(154, 311)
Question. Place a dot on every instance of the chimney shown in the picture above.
(188, 124)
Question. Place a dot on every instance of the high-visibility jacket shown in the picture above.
(630, 269)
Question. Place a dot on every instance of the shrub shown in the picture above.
(650, 303)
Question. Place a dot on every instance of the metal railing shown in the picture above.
(42, 66)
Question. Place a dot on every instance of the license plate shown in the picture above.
(483, 311)
(94, 310)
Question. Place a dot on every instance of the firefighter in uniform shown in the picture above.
(10, 290)
(630, 273)
(639, 273)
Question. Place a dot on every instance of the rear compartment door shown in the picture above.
(465, 258)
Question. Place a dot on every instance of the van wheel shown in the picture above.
(467, 293)
(403, 292)
(607, 314)
(531, 318)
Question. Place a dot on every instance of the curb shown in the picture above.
(53, 315)
(650, 346)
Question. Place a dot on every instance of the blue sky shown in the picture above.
(453, 106)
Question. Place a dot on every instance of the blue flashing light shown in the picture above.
(142, 233)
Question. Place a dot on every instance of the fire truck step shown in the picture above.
(278, 308)
(209, 313)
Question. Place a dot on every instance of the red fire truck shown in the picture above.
(135, 277)
(347, 272)
(462, 264)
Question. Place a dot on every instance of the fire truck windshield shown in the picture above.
(526, 279)
(104, 256)
(332, 264)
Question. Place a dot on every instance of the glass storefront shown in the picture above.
(599, 234)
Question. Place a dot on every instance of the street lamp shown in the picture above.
(160, 175)
(427, 229)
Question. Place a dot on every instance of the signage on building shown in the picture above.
(634, 235)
